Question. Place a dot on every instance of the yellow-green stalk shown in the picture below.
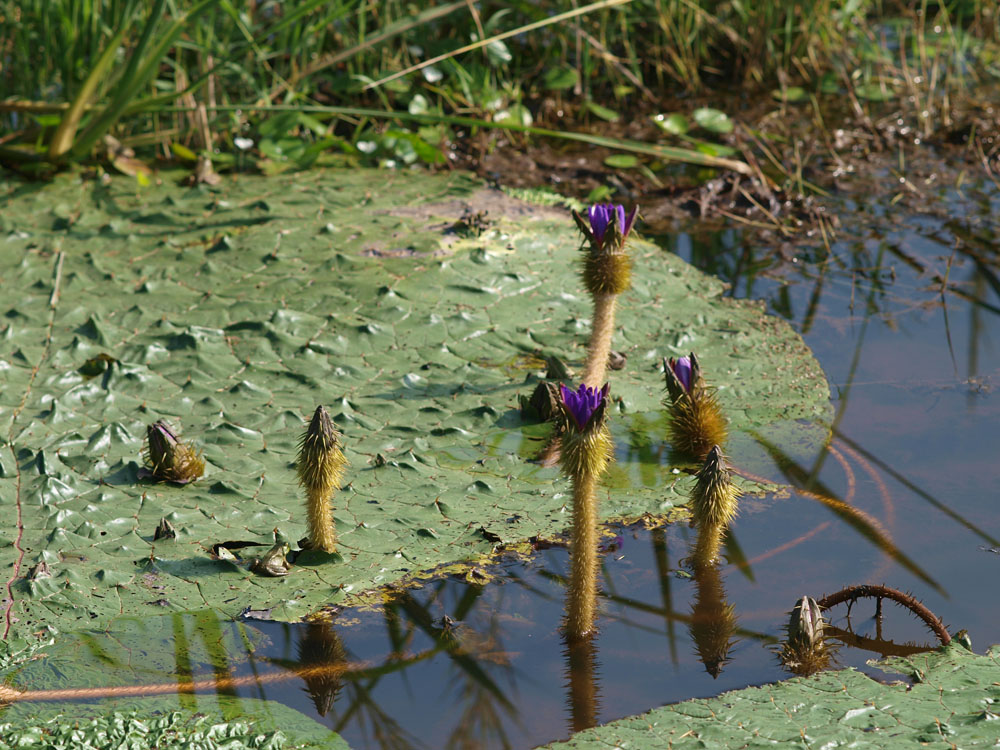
(696, 420)
(714, 499)
(586, 451)
(607, 272)
(320, 467)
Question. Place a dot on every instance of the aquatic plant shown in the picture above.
(607, 272)
(696, 419)
(320, 466)
(714, 499)
(805, 650)
(168, 458)
(586, 451)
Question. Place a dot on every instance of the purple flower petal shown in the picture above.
(682, 369)
(583, 402)
(600, 216)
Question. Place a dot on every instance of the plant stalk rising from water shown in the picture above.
(586, 451)
(607, 272)
(320, 467)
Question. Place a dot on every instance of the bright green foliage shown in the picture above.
(953, 704)
(235, 312)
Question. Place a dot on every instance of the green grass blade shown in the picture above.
(142, 74)
(62, 140)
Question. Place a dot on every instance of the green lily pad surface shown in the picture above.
(232, 312)
(953, 703)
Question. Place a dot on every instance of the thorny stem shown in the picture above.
(582, 601)
(879, 592)
(599, 347)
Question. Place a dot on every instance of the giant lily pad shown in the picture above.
(233, 311)
(952, 703)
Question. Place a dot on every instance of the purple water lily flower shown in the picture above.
(603, 215)
(682, 369)
(583, 403)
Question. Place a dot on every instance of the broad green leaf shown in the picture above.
(675, 123)
(790, 94)
(560, 78)
(875, 92)
(234, 311)
(621, 161)
(516, 114)
(713, 120)
(603, 112)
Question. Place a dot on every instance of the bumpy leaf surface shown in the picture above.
(232, 312)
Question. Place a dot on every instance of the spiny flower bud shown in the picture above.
(168, 458)
(805, 650)
(586, 447)
(606, 267)
(320, 466)
(714, 498)
(696, 420)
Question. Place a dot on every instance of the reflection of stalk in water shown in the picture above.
(319, 645)
(581, 678)
(663, 574)
(713, 619)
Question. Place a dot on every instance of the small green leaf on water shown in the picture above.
(713, 120)
(560, 78)
(621, 161)
(603, 112)
(675, 123)
(183, 152)
(791, 94)
(516, 114)
(418, 105)
(598, 194)
(875, 92)
(715, 149)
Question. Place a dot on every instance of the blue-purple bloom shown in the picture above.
(682, 369)
(583, 402)
(602, 215)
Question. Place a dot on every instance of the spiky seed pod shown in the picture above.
(607, 268)
(806, 650)
(714, 499)
(586, 446)
(696, 419)
(607, 273)
(320, 466)
(170, 459)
